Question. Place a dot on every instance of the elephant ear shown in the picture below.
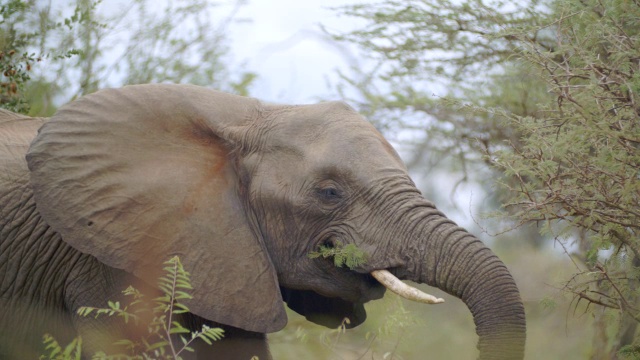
(134, 176)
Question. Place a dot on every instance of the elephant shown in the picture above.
(97, 196)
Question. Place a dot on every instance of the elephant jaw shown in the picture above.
(395, 285)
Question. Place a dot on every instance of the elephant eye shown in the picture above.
(330, 193)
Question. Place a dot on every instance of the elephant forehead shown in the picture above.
(358, 146)
(330, 130)
(359, 152)
(313, 120)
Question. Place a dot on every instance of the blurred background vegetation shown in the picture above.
(533, 104)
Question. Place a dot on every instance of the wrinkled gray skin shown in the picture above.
(94, 198)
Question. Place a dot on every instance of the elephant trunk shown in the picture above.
(441, 254)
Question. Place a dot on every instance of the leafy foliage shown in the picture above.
(540, 95)
(630, 352)
(417, 49)
(86, 45)
(178, 44)
(459, 36)
(73, 351)
(578, 164)
(166, 337)
(343, 255)
(20, 32)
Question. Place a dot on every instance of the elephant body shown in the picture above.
(27, 244)
(96, 198)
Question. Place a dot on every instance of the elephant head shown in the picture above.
(243, 191)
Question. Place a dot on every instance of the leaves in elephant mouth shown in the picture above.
(343, 255)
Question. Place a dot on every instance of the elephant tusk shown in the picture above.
(408, 292)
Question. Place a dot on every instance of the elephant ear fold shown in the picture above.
(134, 176)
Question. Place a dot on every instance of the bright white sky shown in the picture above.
(283, 43)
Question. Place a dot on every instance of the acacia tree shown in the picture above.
(546, 95)
(578, 168)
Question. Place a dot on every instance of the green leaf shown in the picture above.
(157, 345)
(205, 339)
(182, 295)
(124, 342)
(349, 255)
(178, 329)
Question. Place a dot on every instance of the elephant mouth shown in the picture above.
(351, 285)
(375, 290)
(372, 283)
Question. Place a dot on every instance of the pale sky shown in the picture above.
(283, 43)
